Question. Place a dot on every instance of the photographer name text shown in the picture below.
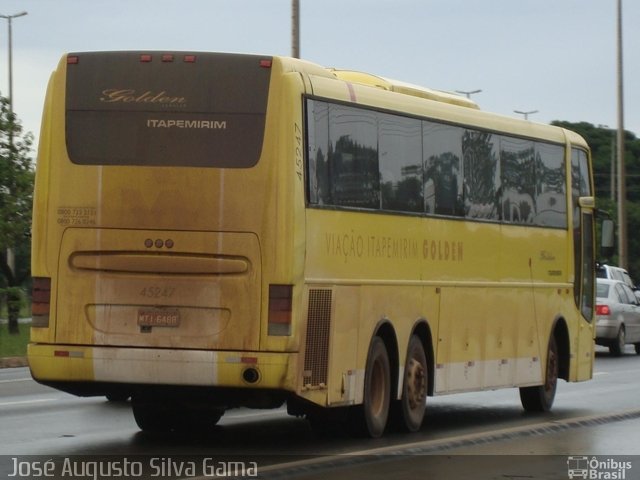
(154, 467)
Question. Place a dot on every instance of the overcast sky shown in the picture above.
(554, 56)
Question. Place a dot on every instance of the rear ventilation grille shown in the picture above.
(316, 356)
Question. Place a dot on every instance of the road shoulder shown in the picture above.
(12, 362)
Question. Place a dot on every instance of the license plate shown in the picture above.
(158, 317)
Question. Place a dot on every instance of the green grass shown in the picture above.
(14, 345)
(25, 309)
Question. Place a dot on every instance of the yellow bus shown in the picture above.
(219, 230)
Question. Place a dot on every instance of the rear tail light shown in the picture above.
(40, 302)
(280, 301)
(603, 310)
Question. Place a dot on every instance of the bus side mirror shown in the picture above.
(608, 238)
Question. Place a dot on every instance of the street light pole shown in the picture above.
(295, 28)
(468, 93)
(526, 114)
(622, 179)
(9, 18)
(613, 168)
(10, 255)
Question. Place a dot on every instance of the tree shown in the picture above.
(16, 194)
(601, 141)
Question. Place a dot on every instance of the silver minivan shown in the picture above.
(617, 273)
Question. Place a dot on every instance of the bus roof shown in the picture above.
(470, 114)
(403, 87)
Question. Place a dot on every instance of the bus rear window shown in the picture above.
(166, 109)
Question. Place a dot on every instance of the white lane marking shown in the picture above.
(27, 402)
(17, 380)
(270, 413)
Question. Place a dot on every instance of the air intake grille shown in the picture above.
(317, 342)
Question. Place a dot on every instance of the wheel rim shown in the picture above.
(552, 372)
(416, 385)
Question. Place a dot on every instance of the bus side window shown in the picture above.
(400, 145)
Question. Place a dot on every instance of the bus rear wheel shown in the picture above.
(540, 398)
(414, 387)
(370, 418)
(154, 417)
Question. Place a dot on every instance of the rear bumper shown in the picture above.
(145, 366)
(607, 329)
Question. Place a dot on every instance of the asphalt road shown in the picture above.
(475, 435)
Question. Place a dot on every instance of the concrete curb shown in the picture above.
(11, 362)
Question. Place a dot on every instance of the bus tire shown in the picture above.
(370, 418)
(152, 418)
(192, 420)
(412, 404)
(117, 396)
(540, 398)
